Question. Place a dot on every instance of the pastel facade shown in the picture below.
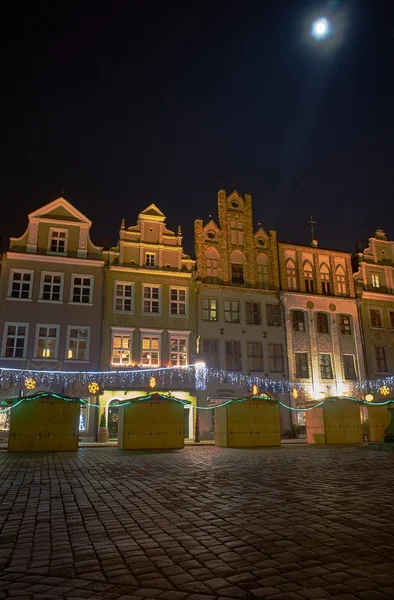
(239, 317)
(149, 313)
(51, 301)
(374, 280)
(324, 345)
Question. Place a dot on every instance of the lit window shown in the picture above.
(209, 309)
(21, 284)
(150, 351)
(121, 349)
(52, 287)
(47, 341)
(123, 297)
(82, 289)
(58, 240)
(15, 340)
(151, 300)
(78, 343)
(178, 305)
(375, 281)
(178, 352)
(149, 259)
(231, 311)
(325, 366)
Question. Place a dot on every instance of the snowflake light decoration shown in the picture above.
(30, 383)
(384, 390)
(93, 387)
(152, 382)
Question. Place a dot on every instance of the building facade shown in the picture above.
(324, 345)
(149, 314)
(374, 279)
(240, 321)
(51, 304)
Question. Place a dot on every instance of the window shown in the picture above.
(178, 352)
(255, 356)
(178, 297)
(209, 309)
(275, 358)
(291, 275)
(150, 351)
(82, 289)
(233, 356)
(231, 311)
(121, 349)
(322, 322)
(78, 343)
(375, 281)
(308, 278)
(348, 367)
(151, 299)
(341, 281)
(253, 313)
(381, 360)
(375, 317)
(391, 314)
(237, 273)
(262, 276)
(47, 338)
(237, 233)
(344, 324)
(52, 287)
(149, 259)
(21, 284)
(211, 352)
(58, 240)
(325, 279)
(325, 366)
(301, 363)
(211, 263)
(124, 297)
(15, 340)
(274, 316)
(297, 317)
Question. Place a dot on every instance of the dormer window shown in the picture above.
(149, 259)
(211, 235)
(261, 241)
(58, 239)
(234, 204)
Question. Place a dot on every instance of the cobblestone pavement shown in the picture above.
(290, 523)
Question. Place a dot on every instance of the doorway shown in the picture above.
(113, 422)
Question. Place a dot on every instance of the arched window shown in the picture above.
(308, 278)
(237, 233)
(325, 279)
(291, 275)
(262, 272)
(341, 280)
(238, 261)
(211, 263)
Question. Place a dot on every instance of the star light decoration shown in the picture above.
(152, 382)
(30, 383)
(384, 390)
(255, 390)
(93, 387)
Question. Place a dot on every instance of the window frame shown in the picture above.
(211, 355)
(68, 339)
(53, 230)
(275, 357)
(179, 302)
(230, 312)
(209, 299)
(37, 338)
(148, 259)
(123, 332)
(375, 279)
(123, 311)
(276, 315)
(319, 321)
(342, 326)
(13, 271)
(253, 316)
(151, 334)
(291, 275)
(75, 276)
(254, 357)
(5, 336)
(42, 283)
(151, 299)
(378, 310)
(299, 373)
(233, 357)
(295, 324)
(340, 276)
(378, 359)
(178, 336)
(323, 366)
(237, 280)
(354, 367)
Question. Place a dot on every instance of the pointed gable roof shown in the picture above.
(60, 209)
(151, 213)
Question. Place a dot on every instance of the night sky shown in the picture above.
(125, 104)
